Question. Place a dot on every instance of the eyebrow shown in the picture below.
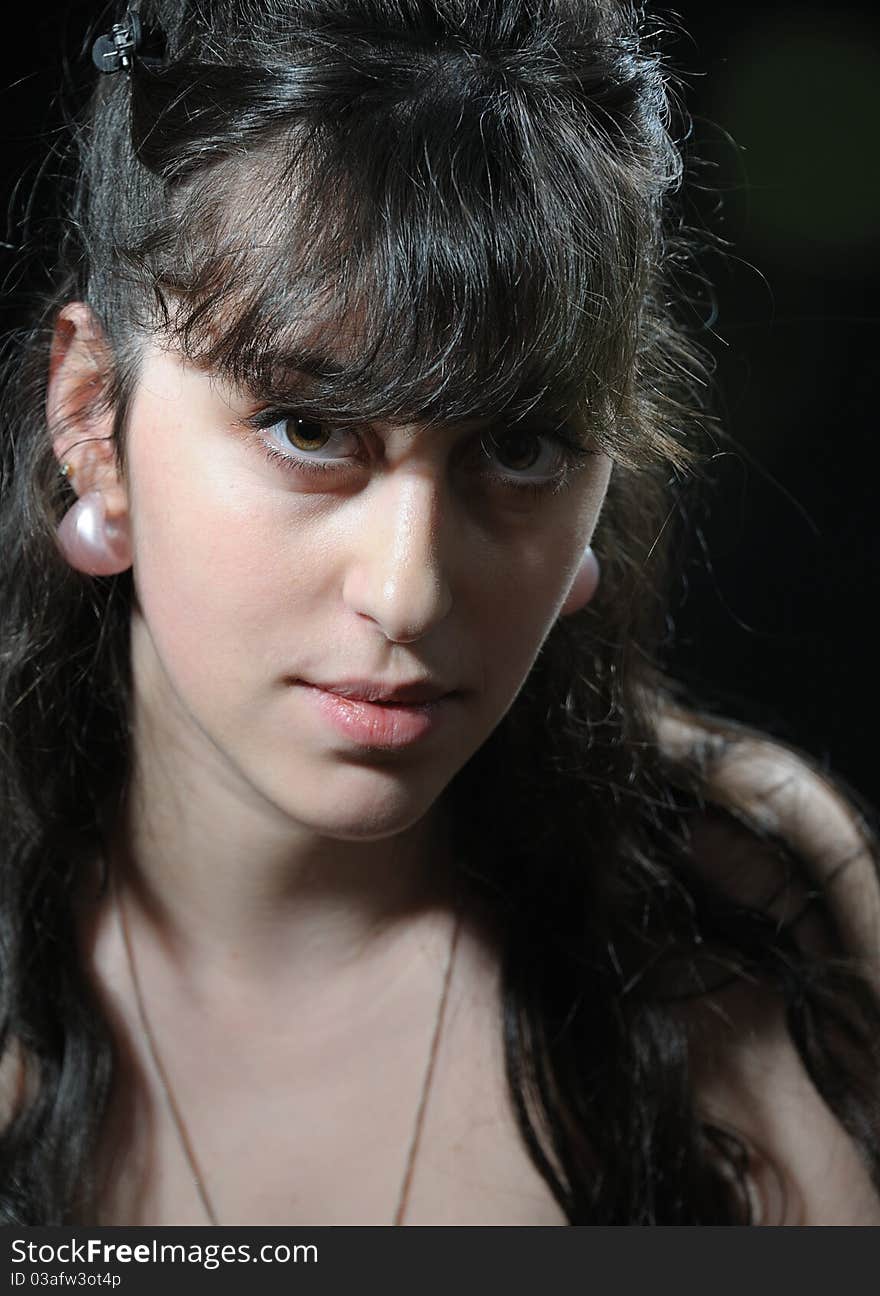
(291, 374)
(304, 360)
(284, 376)
(274, 371)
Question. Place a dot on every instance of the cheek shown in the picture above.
(213, 581)
(531, 587)
(524, 596)
(515, 605)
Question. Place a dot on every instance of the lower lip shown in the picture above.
(382, 725)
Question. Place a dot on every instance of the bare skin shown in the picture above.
(282, 881)
(284, 888)
(301, 1110)
(272, 1090)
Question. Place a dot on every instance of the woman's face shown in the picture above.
(286, 570)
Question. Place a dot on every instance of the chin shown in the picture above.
(368, 807)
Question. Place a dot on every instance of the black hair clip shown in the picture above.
(117, 48)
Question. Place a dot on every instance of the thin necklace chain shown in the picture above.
(177, 1116)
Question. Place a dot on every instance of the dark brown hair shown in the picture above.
(482, 197)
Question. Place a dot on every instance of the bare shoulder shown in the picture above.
(747, 1072)
(15, 1085)
(790, 799)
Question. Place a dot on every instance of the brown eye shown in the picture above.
(532, 458)
(305, 440)
(305, 433)
(517, 450)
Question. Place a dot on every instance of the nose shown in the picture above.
(397, 575)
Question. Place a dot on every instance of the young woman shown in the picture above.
(359, 864)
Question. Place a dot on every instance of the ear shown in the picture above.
(80, 422)
(585, 580)
(583, 586)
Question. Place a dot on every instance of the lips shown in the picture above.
(412, 693)
(371, 715)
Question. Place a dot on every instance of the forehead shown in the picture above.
(406, 319)
(326, 366)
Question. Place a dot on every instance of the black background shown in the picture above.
(778, 626)
(787, 109)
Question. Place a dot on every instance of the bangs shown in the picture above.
(414, 266)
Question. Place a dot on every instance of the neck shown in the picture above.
(246, 893)
(223, 878)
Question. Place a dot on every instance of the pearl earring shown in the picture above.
(583, 586)
(89, 540)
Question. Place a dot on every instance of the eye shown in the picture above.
(516, 449)
(529, 457)
(298, 435)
